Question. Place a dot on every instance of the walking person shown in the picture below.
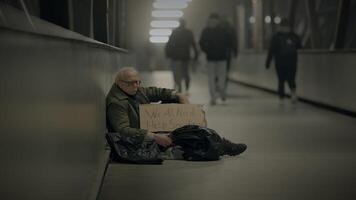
(178, 49)
(283, 49)
(214, 42)
(232, 51)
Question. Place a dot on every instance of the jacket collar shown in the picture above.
(118, 93)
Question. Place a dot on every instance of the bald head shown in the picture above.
(125, 73)
(128, 80)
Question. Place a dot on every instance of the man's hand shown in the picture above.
(162, 140)
(183, 99)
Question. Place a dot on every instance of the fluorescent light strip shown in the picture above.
(164, 24)
(160, 32)
(167, 13)
(159, 39)
(170, 4)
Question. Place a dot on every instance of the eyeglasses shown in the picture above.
(131, 83)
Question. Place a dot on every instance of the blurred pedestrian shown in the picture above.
(214, 42)
(178, 49)
(283, 49)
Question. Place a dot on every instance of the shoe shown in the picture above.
(232, 149)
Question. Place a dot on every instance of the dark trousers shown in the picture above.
(180, 70)
(286, 73)
(228, 66)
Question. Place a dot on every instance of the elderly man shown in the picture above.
(122, 105)
(123, 101)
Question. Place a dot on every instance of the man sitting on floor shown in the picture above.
(122, 106)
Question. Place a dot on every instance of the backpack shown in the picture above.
(124, 150)
(198, 143)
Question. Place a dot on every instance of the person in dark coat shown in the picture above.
(215, 43)
(178, 49)
(283, 49)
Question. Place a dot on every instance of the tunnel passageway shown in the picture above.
(300, 152)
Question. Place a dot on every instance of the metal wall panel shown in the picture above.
(52, 118)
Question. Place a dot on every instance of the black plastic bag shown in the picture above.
(123, 150)
(198, 143)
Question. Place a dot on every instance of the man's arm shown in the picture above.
(118, 119)
(165, 95)
(270, 53)
(203, 41)
(193, 45)
(168, 47)
(234, 42)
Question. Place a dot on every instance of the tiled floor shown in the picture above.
(297, 153)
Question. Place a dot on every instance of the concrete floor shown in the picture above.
(297, 153)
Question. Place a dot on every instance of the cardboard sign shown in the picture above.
(167, 117)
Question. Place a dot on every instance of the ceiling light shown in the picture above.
(164, 24)
(167, 13)
(159, 39)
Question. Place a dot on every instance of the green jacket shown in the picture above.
(122, 117)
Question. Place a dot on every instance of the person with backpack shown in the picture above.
(132, 144)
(283, 49)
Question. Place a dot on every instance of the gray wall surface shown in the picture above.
(323, 76)
(52, 112)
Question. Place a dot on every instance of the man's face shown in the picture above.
(130, 83)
